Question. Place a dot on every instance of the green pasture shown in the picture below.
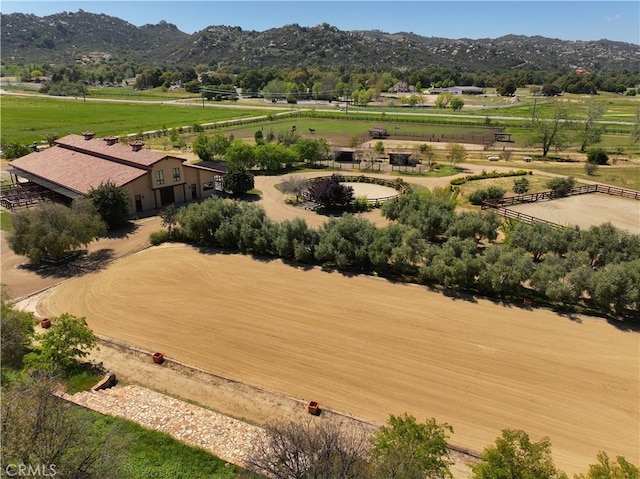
(5, 221)
(31, 119)
(340, 131)
(619, 108)
(130, 93)
(622, 175)
(153, 454)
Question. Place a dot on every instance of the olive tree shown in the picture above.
(16, 333)
(51, 231)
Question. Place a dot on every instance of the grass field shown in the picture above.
(5, 221)
(30, 119)
(152, 454)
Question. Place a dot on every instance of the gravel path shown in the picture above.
(225, 437)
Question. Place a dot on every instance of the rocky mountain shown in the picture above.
(67, 37)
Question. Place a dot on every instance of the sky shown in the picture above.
(566, 20)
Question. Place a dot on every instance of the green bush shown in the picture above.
(492, 174)
(560, 186)
(158, 237)
(491, 193)
(597, 156)
(520, 186)
(361, 204)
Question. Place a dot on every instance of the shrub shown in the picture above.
(520, 186)
(597, 156)
(492, 174)
(361, 204)
(490, 193)
(560, 186)
(158, 237)
(590, 168)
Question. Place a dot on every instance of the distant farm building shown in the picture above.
(346, 155)
(378, 133)
(400, 159)
(458, 90)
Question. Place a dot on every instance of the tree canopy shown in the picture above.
(111, 202)
(516, 455)
(406, 449)
(51, 231)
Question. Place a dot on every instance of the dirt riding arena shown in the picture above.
(586, 211)
(369, 347)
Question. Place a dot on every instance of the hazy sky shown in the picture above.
(569, 20)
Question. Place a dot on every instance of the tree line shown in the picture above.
(404, 448)
(429, 243)
(306, 82)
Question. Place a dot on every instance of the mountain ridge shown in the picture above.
(69, 36)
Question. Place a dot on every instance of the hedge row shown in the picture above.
(492, 174)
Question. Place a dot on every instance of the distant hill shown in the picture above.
(67, 37)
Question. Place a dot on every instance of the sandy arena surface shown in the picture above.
(368, 347)
(587, 210)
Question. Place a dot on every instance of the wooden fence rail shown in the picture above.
(500, 206)
(553, 195)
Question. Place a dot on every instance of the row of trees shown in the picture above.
(271, 152)
(429, 243)
(407, 449)
(311, 82)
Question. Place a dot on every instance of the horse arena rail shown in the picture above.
(500, 206)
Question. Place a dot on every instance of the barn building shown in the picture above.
(77, 163)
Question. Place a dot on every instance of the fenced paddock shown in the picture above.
(25, 195)
(579, 206)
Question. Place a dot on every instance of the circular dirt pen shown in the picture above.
(365, 346)
(372, 191)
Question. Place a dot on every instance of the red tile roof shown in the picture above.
(117, 151)
(76, 171)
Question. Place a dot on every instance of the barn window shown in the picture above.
(176, 174)
(160, 177)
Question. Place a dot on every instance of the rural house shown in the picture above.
(77, 163)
